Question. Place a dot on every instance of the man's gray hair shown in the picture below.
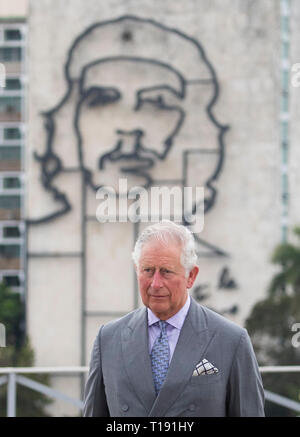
(169, 232)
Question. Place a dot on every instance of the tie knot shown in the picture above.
(162, 325)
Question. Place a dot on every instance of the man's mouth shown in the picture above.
(128, 163)
(158, 297)
(136, 166)
(129, 154)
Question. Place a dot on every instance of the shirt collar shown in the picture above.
(177, 320)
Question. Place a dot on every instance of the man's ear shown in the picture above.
(192, 276)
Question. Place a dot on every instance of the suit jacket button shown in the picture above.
(192, 407)
(125, 407)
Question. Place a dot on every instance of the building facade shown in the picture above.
(12, 145)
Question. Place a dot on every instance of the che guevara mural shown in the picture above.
(139, 103)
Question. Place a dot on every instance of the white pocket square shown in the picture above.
(205, 368)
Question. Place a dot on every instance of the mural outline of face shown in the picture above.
(129, 144)
(51, 164)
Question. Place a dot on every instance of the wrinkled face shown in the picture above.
(162, 279)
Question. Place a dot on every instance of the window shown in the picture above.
(10, 202)
(10, 105)
(10, 158)
(11, 281)
(11, 183)
(10, 251)
(13, 84)
(12, 35)
(10, 153)
(11, 232)
(12, 133)
(10, 54)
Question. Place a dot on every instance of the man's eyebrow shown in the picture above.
(101, 94)
(98, 88)
(178, 94)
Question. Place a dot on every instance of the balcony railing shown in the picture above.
(14, 375)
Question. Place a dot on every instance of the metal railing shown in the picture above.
(14, 375)
(278, 399)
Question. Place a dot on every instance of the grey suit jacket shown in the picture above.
(120, 379)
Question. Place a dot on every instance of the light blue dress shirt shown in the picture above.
(174, 326)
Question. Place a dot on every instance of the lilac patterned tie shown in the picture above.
(160, 357)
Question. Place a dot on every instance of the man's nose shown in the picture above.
(157, 280)
(129, 140)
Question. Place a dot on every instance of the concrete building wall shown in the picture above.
(13, 8)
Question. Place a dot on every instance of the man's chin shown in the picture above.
(159, 306)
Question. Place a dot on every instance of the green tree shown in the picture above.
(270, 324)
(19, 353)
(287, 256)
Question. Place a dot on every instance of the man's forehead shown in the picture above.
(133, 74)
(167, 260)
(164, 249)
(149, 39)
(149, 260)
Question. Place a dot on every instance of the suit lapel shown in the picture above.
(192, 343)
(136, 358)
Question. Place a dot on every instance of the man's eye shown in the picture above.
(156, 100)
(102, 96)
(159, 100)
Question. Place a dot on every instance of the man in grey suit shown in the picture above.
(172, 357)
